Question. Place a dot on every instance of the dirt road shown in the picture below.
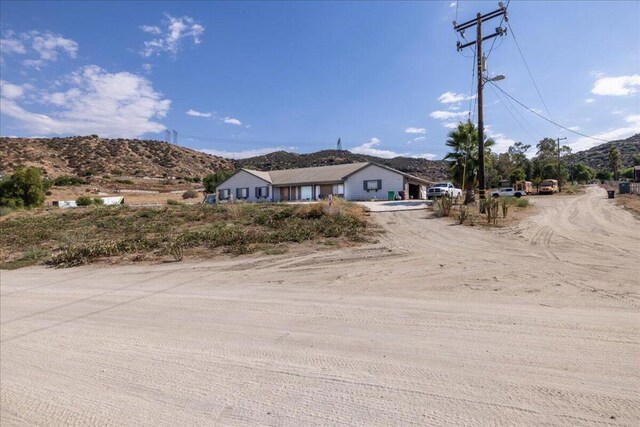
(437, 324)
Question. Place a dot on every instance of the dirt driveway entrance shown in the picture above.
(437, 324)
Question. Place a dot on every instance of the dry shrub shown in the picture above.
(190, 194)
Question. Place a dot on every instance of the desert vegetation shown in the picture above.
(66, 238)
(496, 210)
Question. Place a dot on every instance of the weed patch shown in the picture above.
(67, 238)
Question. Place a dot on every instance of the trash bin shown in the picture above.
(624, 187)
(611, 194)
(401, 194)
(391, 195)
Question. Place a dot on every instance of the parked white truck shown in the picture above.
(508, 192)
(443, 188)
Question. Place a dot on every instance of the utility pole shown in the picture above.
(559, 170)
(499, 31)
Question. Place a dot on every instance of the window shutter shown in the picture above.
(257, 192)
(365, 185)
(379, 184)
(267, 193)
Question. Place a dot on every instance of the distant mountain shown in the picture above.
(434, 170)
(83, 155)
(598, 157)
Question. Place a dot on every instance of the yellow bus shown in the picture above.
(548, 186)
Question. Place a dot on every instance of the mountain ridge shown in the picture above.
(91, 155)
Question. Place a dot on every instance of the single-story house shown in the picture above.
(353, 181)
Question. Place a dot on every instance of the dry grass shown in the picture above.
(68, 237)
(630, 202)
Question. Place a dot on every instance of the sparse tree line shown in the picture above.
(27, 187)
(514, 165)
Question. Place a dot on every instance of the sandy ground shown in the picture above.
(437, 324)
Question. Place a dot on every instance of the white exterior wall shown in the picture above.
(244, 179)
(354, 184)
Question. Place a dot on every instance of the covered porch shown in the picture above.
(290, 193)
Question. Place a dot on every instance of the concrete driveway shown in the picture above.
(397, 205)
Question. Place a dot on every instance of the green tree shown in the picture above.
(517, 175)
(636, 159)
(604, 175)
(25, 188)
(547, 150)
(614, 161)
(582, 173)
(518, 152)
(212, 181)
(463, 142)
(626, 173)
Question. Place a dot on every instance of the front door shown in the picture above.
(284, 194)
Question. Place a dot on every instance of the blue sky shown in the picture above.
(245, 78)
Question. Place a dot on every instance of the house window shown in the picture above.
(242, 193)
(373, 184)
(262, 192)
(223, 194)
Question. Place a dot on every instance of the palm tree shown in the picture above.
(464, 154)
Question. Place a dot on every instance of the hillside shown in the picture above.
(429, 169)
(598, 157)
(90, 155)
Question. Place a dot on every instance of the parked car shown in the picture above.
(443, 188)
(508, 192)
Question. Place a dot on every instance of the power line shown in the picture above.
(514, 108)
(506, 7)
(512, 115)
(529, 70)
(545, 118)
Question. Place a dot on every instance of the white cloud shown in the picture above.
(631, 127)
(632, 118)
(12, 46)
(450, 125)
(195, 113)
(573, 128)
(244, 153)
(368, 148)
(502, 142)
(151, 29)
(418, 139)
(446, 115)
(421, 131)
(108, 104)
(147, 68)
(616, 86)
(451, 98)
(42, 47)
(453, 4)
(171, 34)
(589, 101)
(231, 121)
(10, 91)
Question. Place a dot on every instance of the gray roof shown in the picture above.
(319, 174)
(315, 175)
(260, 174)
